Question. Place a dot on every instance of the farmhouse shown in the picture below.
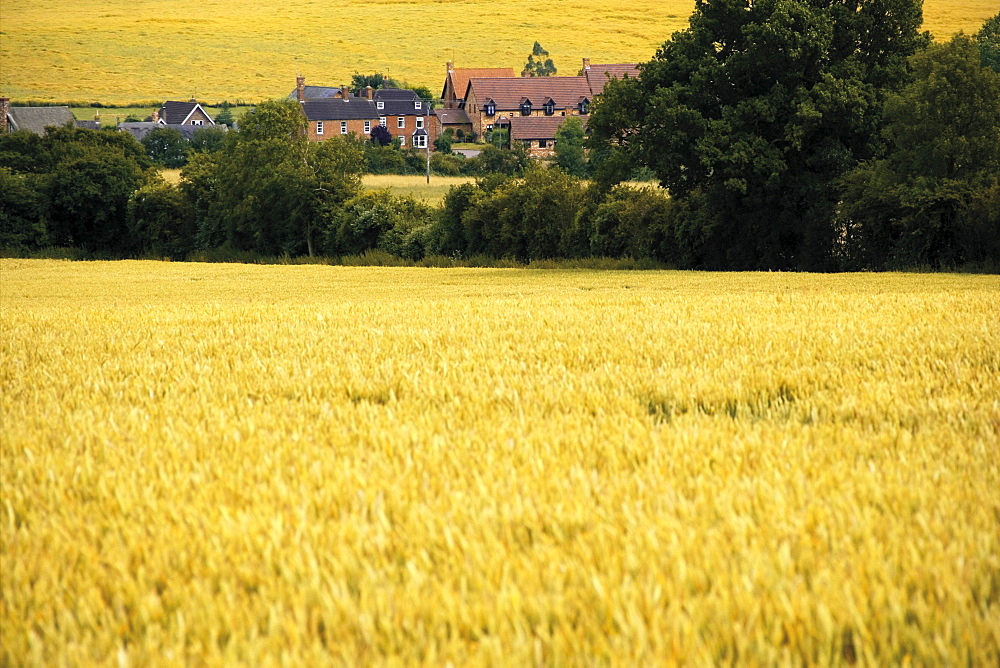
(182, 113)
(492, 101)
(406, 116)
(456, 81)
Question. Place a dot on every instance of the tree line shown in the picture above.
(790, 134)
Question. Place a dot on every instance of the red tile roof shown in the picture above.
(597, 75)
(508, 93)
(460, 76)
(538, 127)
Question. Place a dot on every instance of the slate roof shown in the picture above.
(176, 113)
(597, 75)
(453, 116)
(89, 125)
(317, 93)
(399, 102)
(340, 110)
(460, 77)
(36, 119)
(507, 94)
(140, 129)
(538, 127)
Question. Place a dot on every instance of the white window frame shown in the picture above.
(343, 127)
(381, 121)
(402, 142)
(420, 141)
(380, 105)
(420, 123)
(197, 121)
(401, 122)
(368, 127)
(319, 127)
(417, 104)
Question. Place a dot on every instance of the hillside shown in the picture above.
(115, 51)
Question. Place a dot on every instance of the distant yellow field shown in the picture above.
(118, 51)
(415, 186)
(311, 465)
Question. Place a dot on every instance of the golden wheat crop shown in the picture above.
(305, 465)
(119, 51)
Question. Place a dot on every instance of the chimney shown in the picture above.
(4, 110)
(344, 93)
(369, 92)
(451, 67)
(586, 63)
(300, 88)
(156, 116)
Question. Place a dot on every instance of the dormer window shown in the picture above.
(491, 108)
(550, 107)
(417, 104)
(584, 106)
(380, 105)
(526, 108)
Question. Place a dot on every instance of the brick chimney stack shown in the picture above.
(300, 88)
(156, 116)
(4, 110)
(369, 92)
(345, 93)
(451, 67)
(586, 63)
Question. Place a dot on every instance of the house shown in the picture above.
(344, 115)
(182, 113)
(406, 116)
(537, 133)
(598, 75)
(490, 101)
(456, 81)
(33, 119)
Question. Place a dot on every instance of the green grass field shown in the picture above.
(114, 51)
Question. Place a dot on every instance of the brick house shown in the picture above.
(493, 101)
(456, 81)
(182, 113)
(537, 133)
(407, 117)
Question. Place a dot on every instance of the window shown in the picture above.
(401, 122)
(420, 122)
(197, 122)
(584, 107)
(380, 105)
(319, 127)
(550, 108)
(381, 121)
(343, 127)
(368, 127)
(402, 142)
(491, 109)
(542, 143)
(417, 104)
(420, 141)
(489, 127)
(526, 109)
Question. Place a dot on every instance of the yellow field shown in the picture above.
(415, 186)
(212, 464)
(118, 51)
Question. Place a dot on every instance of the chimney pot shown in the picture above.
(586, 63)
(451, 67)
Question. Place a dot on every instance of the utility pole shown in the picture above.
(427, 138)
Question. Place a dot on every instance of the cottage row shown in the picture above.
(475, 100)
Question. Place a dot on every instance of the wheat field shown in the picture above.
(121, 51)
(307, 465)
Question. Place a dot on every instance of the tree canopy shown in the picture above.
(751, 114)
(539, 64)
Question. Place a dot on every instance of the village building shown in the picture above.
(182, 113)
(33, 119)
(597, 76)
(139, 129)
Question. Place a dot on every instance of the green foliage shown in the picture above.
(753, 113)
(443, 143)
(375, 219)
(931, 201)
(208, 139)
(166, 147)
(162, 221)
(988, 38)
(377, 80)
(22, 222)
(225, 116)
(539, 65)
(569, 147)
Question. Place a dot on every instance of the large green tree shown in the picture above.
(935, 199)
(989, 43)
(751, 114)
(274, 188)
